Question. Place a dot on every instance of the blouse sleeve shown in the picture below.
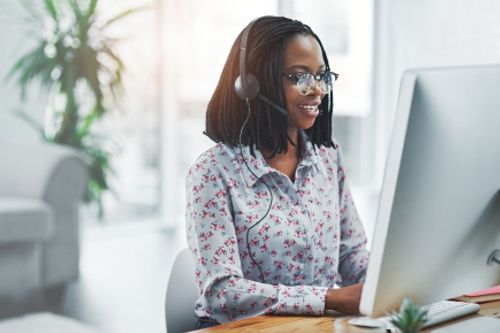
(225, 295)
(353, 253)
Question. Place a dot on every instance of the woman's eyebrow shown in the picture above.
(305, 68)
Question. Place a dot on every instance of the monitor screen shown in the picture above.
(439, 214)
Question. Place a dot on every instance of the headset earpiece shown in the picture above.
(246, 85)
(248, 91)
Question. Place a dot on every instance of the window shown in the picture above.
(134, 124)
(197, 39)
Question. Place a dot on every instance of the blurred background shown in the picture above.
(173, 53)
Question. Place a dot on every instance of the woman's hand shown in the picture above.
(345, 300)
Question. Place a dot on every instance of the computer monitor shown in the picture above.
(439, 213)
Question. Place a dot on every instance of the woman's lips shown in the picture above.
(310, 110)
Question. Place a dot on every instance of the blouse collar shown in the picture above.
(259, 166)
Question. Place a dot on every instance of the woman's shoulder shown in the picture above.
(332, 152)
(217, 153)
(217, 156)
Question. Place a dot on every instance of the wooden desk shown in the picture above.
(330, 324)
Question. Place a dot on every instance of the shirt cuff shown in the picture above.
(301, 300)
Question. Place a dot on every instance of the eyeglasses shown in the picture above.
(306, 81)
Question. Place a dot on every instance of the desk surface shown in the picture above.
(330, 324)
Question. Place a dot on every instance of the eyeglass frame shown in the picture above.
(317, 78)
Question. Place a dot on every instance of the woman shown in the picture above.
(270, 217)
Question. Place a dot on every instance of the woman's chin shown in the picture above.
(304, 121)
(305, 125)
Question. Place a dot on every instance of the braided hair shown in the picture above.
(266, 128)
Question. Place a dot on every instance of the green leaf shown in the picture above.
(23, 62)
(82, 21)
(34, 64)
(108, 51)
(32, 122)
(89, 68)
(123, 15)
(410, 317)
(76, 9)
(91, 8)
(116, 83)
(51, 8)
(34, 15)
(85, 127)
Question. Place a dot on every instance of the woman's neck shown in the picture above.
(293, 148)
(286, 162)
(293, 136)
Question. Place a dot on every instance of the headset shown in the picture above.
(247, 86)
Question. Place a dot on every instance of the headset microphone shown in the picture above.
(274, 105)
(247, 86)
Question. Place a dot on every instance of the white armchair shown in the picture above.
(41, 186)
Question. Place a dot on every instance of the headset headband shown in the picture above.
(247, 86)
(243, 51)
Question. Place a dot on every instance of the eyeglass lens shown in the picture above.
(307, 81)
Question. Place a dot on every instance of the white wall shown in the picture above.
(424, 33)
(14, 41)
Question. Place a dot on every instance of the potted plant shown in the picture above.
(76, 61)
(410, 318)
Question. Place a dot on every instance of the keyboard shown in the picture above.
(438, 313)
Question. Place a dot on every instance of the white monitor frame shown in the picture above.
(439, 213)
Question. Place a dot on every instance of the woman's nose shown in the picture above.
(316, 90)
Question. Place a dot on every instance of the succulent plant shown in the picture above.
(410, 318)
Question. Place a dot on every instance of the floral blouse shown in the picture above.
(311, 239)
